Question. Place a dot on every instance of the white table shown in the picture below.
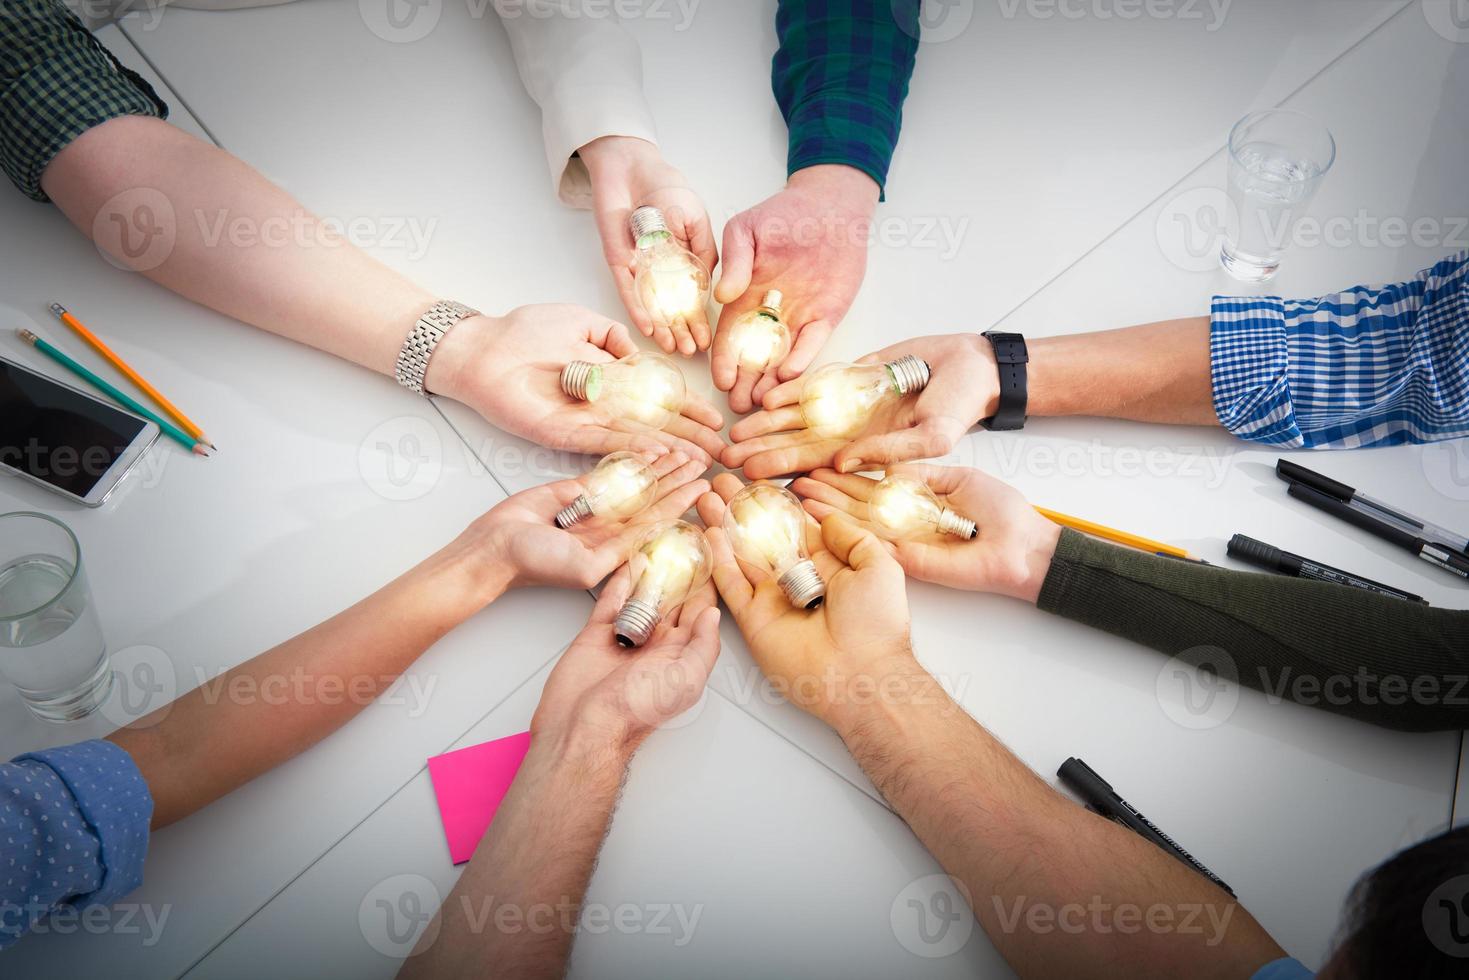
(1055, 151)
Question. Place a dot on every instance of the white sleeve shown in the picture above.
(586, 74)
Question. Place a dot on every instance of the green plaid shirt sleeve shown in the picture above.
(840, 76)
(56, 82)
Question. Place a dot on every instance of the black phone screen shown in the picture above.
(58, 435)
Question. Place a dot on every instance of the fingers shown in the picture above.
(739, 261)
(781, 455)
(614, 594)
(627, 291)
(665, 461)
(676, 502)
(701, 410)
(700, 599)
(729, 579)
(768, 381)
(832, 497)
(683, 337)
(703, 645)
(785, 393)
(858, 548)
(920, 441)
(741, 393)
(727, 485)
(664, 338)
(706, 441)
(785, 419)
(943, 479)
(812, 338)
(711, 509)
(612, 337)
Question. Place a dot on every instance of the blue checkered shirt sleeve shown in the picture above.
(1369, 366)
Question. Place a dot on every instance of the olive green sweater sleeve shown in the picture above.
(1394, 663)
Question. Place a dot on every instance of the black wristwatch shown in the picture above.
(1011, 356)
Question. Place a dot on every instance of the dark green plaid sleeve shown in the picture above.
(840, 76)
(56, 82)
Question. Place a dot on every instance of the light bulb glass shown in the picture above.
(904, 507)
(644, 389)
(672, 283)
(767, 528)
(760, 339)
(622, 485)
(671, 560)
(838, 399)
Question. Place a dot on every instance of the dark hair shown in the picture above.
(1409, 917)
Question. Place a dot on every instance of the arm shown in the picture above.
(840, 77)
(1383, 660)
(537, 858)
(84, 131)
(202, 746)
(994, 825)
(1282, 372)
(586, 74)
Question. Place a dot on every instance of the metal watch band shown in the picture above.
(1011, 356)
(418, 349)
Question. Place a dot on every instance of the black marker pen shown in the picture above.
(1272, 559)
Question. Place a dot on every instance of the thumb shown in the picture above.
(921, 441)
(739, 262)
(855, 547)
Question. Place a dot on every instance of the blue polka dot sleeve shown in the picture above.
(73, 831)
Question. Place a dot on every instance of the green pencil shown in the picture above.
(168, 429)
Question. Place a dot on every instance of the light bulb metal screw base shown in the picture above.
(575, 377)
(574, 513)
(773, 300)
(646, 220)
(635, 623)
(802, 585)
(910, 374)
(956, 524)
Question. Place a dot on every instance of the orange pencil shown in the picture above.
(80, 329)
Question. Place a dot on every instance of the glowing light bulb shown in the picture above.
(671, 282)
(767, 528)
(903, 507)
(837, 400)
(760, 337)
(642, 388)
(671, 560)
(620, 486)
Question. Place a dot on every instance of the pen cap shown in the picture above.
(1296, 473)
(1256, 552)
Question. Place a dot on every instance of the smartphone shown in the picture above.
(66, 439)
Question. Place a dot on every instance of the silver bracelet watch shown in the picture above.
(418, 349)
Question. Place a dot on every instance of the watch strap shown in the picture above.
(1011, 356)
(423, 339)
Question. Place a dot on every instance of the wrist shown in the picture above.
(845, 186)
(584, 749)
(451, 367)
(892, 682)
(609, 157)
(987, 372)
(1039, 552)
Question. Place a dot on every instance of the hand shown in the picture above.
(963, 388)
(518, 542)
(810, 242)
(617, 696)
(627, 173)
(509, 369)
(821, 658)
(1010, 555)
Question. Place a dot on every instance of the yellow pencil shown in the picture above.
(1112, 534)
(61, 313)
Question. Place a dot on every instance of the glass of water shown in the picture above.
(1277, 159)
(51, 644)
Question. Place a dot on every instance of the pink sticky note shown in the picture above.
(469, 784)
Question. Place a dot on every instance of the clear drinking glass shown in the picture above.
(51, 644)
(1277, 159)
